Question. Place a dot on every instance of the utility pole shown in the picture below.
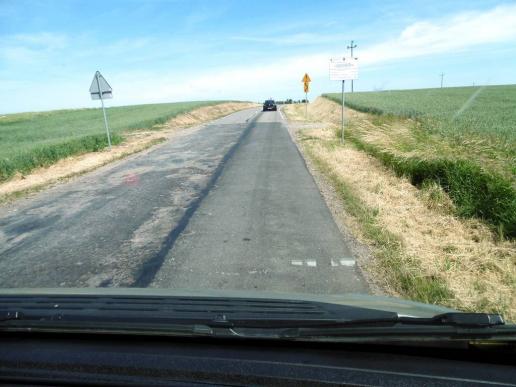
(442, 76)
(342, 114)
(351, 47)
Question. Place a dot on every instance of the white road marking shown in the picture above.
(342, 262)
(281, 114)
(226, 273)
(306, 262)
(347, 262)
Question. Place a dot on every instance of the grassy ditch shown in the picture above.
(32, 140)
(474, 192)
(471, 155)
(402, 272)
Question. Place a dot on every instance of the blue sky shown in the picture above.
(165, 51)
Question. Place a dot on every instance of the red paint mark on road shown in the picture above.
(131, 179)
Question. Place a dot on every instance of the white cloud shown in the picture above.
(458, 32)
(424, 37)
(27, 48)
(44, 40)
(454, 33)
(252, 82)
(298, 39)
(282, 77)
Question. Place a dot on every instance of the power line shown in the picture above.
(351, 47)
(442, 77)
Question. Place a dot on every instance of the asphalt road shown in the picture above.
(229, 205)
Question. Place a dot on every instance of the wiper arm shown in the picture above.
(452, 321)
(476, 320)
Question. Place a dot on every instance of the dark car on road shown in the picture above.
(269, 105)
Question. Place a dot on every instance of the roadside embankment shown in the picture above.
(423, 248)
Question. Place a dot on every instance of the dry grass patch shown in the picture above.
(321, 110)
(206, 113)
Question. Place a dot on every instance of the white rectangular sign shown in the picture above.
(343, 69)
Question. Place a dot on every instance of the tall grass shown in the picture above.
(474, 192)
(31, 140)
(469, 117)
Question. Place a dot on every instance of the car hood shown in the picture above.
(400, 306)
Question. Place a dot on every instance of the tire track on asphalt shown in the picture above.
(149, 269)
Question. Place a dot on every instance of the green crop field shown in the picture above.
(485, 110)
(31, 140)
(462, 138)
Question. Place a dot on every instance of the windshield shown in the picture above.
(356, 154)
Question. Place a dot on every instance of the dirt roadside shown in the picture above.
(135, 141)
(419, 249)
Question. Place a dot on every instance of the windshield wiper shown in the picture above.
(472, 320)
(478, 323)
(456, 324)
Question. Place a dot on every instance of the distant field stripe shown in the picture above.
(31, 140)
(483, 110)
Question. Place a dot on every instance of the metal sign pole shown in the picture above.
(342, 110)
(103, 110)
(306, 106)
(306, 80)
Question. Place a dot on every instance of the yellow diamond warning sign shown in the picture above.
(306, 80)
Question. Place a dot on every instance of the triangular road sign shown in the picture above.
(99, 85)
(306, 79)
